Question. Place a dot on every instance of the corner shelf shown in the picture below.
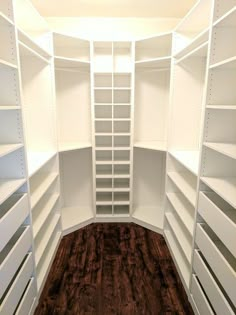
(152, 217)
(152, 145)
(189, 159)
(71, 146)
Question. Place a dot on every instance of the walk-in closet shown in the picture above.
(127, 120)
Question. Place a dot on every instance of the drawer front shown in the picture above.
(200, 299)
(12, 220)
(15, 292)
(222, 269)
(13, 260)
(28, 299)
(224, 228)
(211, 288)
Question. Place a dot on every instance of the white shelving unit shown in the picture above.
(16, 257)
(214, 259)
(140, 131)
(112, 94)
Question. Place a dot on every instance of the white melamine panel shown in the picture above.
(220, 216)
(12, 256)
(194, 23)
(228, 149)
(187, 98)
(151, 106)
(222, 262)
(148, 186)
(28, 298)
(73, 107)
(8, 187)
(153, 47)
(213, 291)
(122, 57)
(30, 22)
(38, 104)
(7, 35)
(189, 159)
(12, 165)
(220, 126)
(9, 95)
(76, 186)
(199, 298)
(221, 89)
(221, 8)
(71, 47)
(6, 8)
(8, 148)
(13, 212)
(178, 256)
(102, 59)
(13, 296)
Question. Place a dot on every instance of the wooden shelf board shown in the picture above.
(228, 149)
(189, 159)
(225, 187)
(36, 160)
(72, 146)
(152, 145)
(184, 182)
(9, 148)
(74, 218)
(180, 236)
(8, 187)
(183, 210)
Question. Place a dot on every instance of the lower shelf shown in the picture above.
(151, 217)
(75, 217)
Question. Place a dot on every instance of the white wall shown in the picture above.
(111, 28)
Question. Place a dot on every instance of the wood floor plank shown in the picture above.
(113, 269)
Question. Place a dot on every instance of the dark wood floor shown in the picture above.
(113, 269)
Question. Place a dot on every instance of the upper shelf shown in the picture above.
(36, 160)
(152, 145)
(189, 159)
(62, 62)
(158, 63)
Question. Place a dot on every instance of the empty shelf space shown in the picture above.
(64, 62)
(104, 209)
(75, 217)
(150, 215)
(184, 210)
(184, 242)
(103, 183)
(50, 251)
(8, 148)
(104, 196)
(29, 52)
(44, 210)
(42, 244)
(227, 19)
(40, 186)
(5, 20)
(193, 44)
(157, 63)
(200, 52)
(36, 160)
(121, 196)
(228, 149)
(72, 146)
(8, 187)
(152, 145)
(120, 210)
(178, 256)
(6, 64)
(189, 159)
(185, 184)
(229, 63)
(224, 187)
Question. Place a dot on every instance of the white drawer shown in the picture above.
(28, 299)
(18, 286)
(12, 256)
(213, 292)
(13, 213)
(200, 299)
(220, 217)
(218, 262)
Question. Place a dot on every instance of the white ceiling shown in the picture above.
(114, 8)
